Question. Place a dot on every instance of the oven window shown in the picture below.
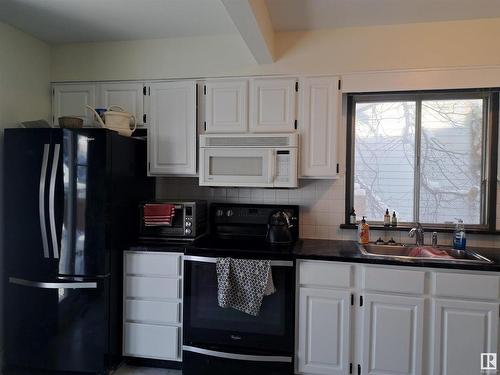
(235, 166)
(205, 312)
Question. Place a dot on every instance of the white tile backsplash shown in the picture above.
(321, 207)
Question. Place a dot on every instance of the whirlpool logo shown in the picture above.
(488, 361)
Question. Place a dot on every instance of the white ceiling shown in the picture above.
(293, 15)
(64, 21)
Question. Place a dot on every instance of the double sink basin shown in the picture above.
(423, 253)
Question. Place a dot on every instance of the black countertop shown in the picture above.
(334, 250)
(347, 251)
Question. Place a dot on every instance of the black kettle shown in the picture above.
(278, 228)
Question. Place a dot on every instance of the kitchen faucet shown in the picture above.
(418, 233)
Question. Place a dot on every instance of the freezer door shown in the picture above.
(29, 158)
(56, 325)
(84, 176)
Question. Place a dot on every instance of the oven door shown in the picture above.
(208, 325)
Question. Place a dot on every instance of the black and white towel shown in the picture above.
(243, 283)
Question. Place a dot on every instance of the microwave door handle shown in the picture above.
(272, 165)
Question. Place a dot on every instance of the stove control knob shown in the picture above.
(229, 213)
(219, 212)
(188, 231)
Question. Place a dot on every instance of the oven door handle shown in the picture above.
(240, 357)
(274, 263)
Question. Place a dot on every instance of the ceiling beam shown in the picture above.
(251, 18)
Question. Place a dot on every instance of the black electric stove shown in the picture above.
(217, 340)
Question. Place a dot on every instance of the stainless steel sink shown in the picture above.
(401, 252)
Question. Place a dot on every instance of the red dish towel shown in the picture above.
(158, 214)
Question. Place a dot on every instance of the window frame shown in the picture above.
(490, 146)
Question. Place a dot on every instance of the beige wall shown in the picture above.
(151, 59)
(425, 45)
(24, 90)
(24, 77)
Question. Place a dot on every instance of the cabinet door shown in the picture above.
(70, 100)
(318, 126)
(272, 105)
(392, 334)
(462, 330)
(324, 333)
(172, 130)
(226, 106)
(129, 96)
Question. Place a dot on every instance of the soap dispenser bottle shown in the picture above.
(363, 232)
(387, 218)
(459, 236)
(394, 220)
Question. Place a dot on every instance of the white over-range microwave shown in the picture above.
(251, 160)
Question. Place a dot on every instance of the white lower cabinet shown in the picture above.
(151, 341)
(152, 305)
(388, 320)
(463, 330)
(324, 340)
(393, 328)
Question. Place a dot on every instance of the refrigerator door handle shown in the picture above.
(41, 200)
(53, 285)
(52, 188)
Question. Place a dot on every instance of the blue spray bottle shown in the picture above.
(459, 236)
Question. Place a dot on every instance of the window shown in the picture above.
(423, 155)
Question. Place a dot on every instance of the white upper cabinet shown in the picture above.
(226, 106)
(393, 329)
(127, 95)
(70, 100)
(462, 330)
(272, 105)
(172, 128)
(319, 126)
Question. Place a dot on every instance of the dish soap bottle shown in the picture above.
(387, 218)
(363, 232)
(459, 236)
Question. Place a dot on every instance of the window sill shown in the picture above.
(407, 227)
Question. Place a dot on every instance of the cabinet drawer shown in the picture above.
(152, 311)
(465, 285)
(393, 280)
(151, 341)
(160, 264)
(151, 287)
(325, 274)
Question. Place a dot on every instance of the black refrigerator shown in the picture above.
(70, 209)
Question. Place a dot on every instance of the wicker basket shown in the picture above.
(70, 122)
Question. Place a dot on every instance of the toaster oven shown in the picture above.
(170, 220)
